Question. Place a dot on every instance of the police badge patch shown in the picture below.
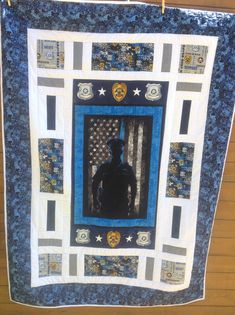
(113, 238)
(143, 238)
(85, 91)
(119, 91)
(153, 92)
(83, 236)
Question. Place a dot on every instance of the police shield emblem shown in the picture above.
(119, 91)
(83, 236)
(143, 239)
(85, 91)
(153, 92)
(113, 238)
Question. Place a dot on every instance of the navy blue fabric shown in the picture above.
(129, 99)
(103, 18)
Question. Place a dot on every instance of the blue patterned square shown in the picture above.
(180, 170)
(51, 165)
(122, 56)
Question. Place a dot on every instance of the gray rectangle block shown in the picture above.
(149, 268)
(49, 242)
(189, 86)
(73, 264)
(166, 57)
(175, 229)
(51, 82)
(174, 250)
(51, 215)
(185, 117)
(77, 56)
(51, 112)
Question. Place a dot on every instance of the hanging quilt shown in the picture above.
(116, 122)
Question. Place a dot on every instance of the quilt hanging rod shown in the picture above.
(163, 5)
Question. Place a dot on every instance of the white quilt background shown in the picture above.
(37, 103)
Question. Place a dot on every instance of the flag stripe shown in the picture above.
(143, 183)
(131, 143)
(138, 164)
(135, 142)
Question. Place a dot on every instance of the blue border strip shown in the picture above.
(79, 113)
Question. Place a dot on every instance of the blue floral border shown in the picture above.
(104, 18)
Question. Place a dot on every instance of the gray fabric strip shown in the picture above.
(175, 229)
(189, 86)
(174, 250)
(49, 242)
(51, 82)
(73, 264)
(149, 268)
(77, 56)
(51, 215)
(185, 117)
(166, 57)
(51, 112)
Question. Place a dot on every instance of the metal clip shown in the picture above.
(163, 6)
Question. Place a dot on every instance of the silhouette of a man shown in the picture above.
(115, 176)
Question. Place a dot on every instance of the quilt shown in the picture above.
(116, 121)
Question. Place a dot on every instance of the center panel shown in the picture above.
(117, 178)
(136, 124)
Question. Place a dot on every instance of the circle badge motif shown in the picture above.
(200, 60)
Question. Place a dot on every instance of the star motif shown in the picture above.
(137, 92)
(129, 238)
(99, 238)
(102, 91)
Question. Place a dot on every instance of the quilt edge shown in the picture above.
(4, 167)
(218, 198)
(108, 305)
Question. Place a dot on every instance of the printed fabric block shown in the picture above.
(193, 59)
(51, 165)
(172, 272)
(50, 54)
(50, 265)
(115, 134)
(122, 57)
(113, 266)
(180, 170)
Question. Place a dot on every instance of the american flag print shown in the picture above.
(136, 132)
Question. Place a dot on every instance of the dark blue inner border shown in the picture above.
(101, 18)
